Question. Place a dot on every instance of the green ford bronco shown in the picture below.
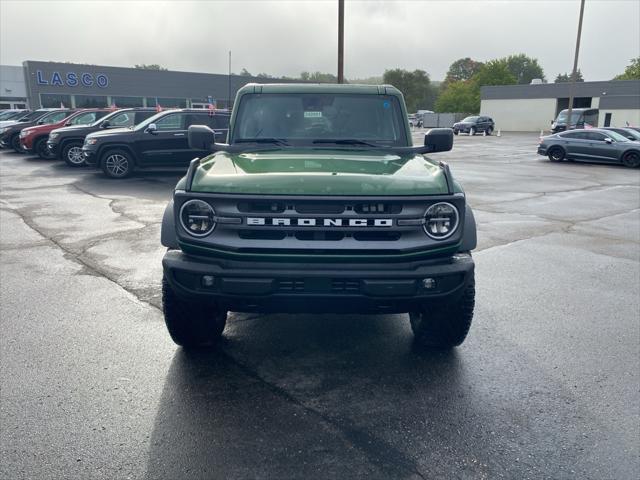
(318, 202)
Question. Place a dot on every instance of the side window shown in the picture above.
(219, 122)
(595, 136)
(140, 116)
(56, 117)
(195, 119)
(175, 121)
(575, 136)
(124, 119)
(84, 119)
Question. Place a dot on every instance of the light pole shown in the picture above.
(229, 85)
(574, 72)
(340, 41)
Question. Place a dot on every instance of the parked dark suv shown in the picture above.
(158, 143)
(474, 124)
(66, 143)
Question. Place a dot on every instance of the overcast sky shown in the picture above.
(287, 37)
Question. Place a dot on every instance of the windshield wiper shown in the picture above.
(346, 141)
(275, 141)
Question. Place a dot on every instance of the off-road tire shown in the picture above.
(472, 131)
(631, 159)
(192, 324)
(72, 154)
(15, 143)
(556, 154)
(117, 164)
(489, 131)
(447, 325)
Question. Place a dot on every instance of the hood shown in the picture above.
(107, 132)
(314, 172)
(73, 129)
(7, 123)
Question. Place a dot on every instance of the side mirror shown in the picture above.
(152, 128)
(105, 124)
(67, 123)
(439, 139)
(201, 138)
(608, 140)
(40, 122)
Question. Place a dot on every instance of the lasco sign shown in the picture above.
(72, 79)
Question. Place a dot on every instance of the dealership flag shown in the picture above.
(62, 105)
(212, 110)
(158, 108)
(586, 125)
(113, 106)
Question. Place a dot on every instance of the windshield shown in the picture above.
(83, 118)
(616, 136)
(324, 118)
(8, 115)
(632, 133)
(470, 119)
(562, 117)
(142, 125)
(32, 116)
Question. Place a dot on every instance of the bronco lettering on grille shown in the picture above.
(320, 222)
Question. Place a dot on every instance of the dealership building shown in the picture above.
(533, 107)
(51, 84)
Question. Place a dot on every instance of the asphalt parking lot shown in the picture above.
(546, 385)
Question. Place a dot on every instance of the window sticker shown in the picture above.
(386, 104)
(312, 114)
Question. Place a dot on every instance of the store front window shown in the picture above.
(127, 101)
(51, 100)
(90, 101)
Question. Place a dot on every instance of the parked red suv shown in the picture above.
(34, 139)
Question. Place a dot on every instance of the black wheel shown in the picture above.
(191, 324)
(455, 132)
(117, 164)
(72, 154)
(447, 325)
(489, 131)
(631, 159)
(472, 131)
(15, 143)
(40, 148)
(556, 154)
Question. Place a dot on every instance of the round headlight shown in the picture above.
(197, 218)
(53, 135)
(441, 220)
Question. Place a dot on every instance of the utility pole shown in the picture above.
(229, 86)
(574, 72)
(340, 41)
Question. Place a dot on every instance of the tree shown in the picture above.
(419, 93)
(319, 77)
(152, 66)
(632, 72)
(566, 77)
(495, 72)
(524, 68)
(264, 75)
(462, 69)
(463, 96)
(245, 73)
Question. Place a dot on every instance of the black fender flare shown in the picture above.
(469, 232)
(168, 236)
(67, 141)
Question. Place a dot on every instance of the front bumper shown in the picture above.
(542, 150)
(316, 288)
(53, 147)
(90, 157)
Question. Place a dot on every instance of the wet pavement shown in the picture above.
(546, 385)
